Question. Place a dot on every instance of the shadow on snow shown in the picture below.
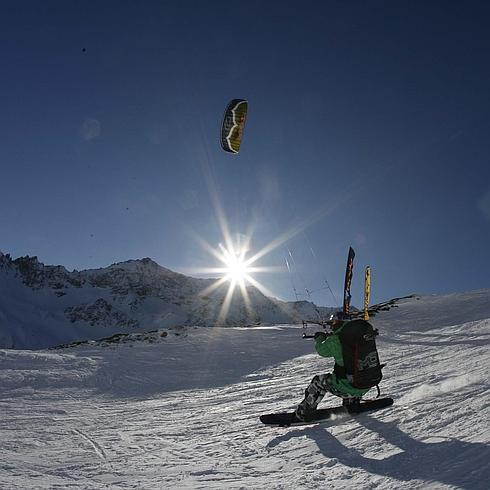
(450, 462)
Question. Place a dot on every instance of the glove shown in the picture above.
(320, 336)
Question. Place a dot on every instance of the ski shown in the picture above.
(347, 282)
(286, 419)
(367, 292)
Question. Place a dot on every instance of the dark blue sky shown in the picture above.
(372, 117)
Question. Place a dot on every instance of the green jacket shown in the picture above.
(331, 347)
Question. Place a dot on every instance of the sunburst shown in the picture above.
(236, 269)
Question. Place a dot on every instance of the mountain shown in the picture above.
(179, 408)
(44, 305)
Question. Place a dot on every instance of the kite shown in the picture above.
(233, 124)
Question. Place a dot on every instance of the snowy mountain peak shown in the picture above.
(35, 274)
(141, 265)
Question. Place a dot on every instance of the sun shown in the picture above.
(236, 268)
(237, 271)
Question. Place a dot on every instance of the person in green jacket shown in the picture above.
(328, 345)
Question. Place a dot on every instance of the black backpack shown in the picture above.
(361, 361)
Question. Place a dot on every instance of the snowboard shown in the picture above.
(287, 419)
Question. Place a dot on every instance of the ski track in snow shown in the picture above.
(96, 446)
(114, 418)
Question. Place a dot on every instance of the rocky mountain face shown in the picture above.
(43, 305)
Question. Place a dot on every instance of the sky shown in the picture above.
(368, 127)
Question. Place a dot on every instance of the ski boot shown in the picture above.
(304, 413)
(352, 404)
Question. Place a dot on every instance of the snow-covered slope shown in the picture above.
(41, 306)
(179, 407)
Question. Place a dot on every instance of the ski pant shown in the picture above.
(315, 392)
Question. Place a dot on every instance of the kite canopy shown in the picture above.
(233, 124)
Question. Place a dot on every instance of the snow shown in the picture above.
(178, 408)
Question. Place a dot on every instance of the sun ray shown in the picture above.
(226, 304)
(259, 286)
(210, 270)
(208, 247)
(268, 268)
(284, 237)
(246, 300)
(281, 305)
(213, 286)
(219, 211)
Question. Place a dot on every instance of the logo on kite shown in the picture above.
(233, 124)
